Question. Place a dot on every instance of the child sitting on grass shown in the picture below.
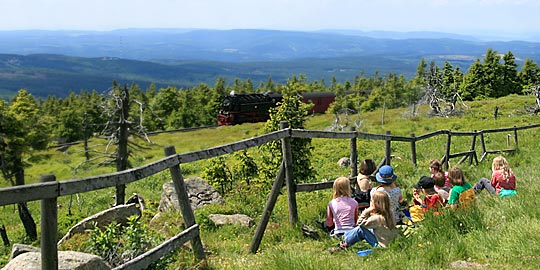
(376, 225)
(431, 200)
(503, 180)
(462, 194)
(386, 179)
(363, 183)
(435, 167)
(440, 188)
(342, 210)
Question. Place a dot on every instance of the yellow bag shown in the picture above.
(467, 198)
(417, 213)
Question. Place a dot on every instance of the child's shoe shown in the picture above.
(339, 247)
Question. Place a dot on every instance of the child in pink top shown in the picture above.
(502, 178)
(342, 210)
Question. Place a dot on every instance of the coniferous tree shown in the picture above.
(447, 84)
(270, 86)
(421, 74)
(248, 86)
(165, 102)
(220, 87)
(473, 84)
(492, 79)
(22, 130)
(294, 111)
(121, 125)
(510, 80)
(529, 75)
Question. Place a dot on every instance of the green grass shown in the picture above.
(499, 234)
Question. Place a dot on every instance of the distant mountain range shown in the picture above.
(56, 62)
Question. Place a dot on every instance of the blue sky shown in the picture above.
(489, 17)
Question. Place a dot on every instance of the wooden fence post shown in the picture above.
(354, 156)
(270, 203)
(447, 153)
(388, 148)
(49, 229)
(183, 201)
(515, 137)
(289, 177)
(483, 144)
(413, 150)
(473, 145)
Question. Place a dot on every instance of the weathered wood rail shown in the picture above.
(48, 190)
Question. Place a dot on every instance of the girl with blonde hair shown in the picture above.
(342, 210)
(503, 180)
(376, 224)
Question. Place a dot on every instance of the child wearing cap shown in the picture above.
(431, 200)
(386, 179)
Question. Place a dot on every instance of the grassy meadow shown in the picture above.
(497, 234)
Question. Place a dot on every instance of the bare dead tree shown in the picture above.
(439, 104)
(118, 129)
(535, 91)
(342, 119)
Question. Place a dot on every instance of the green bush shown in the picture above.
(117, 244)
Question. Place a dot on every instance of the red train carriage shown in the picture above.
(321, 100)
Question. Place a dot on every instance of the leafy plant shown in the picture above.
(218, 174)
(104, 243)
(118, 245)
(247, 168)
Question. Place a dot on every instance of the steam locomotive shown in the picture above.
(252, 108)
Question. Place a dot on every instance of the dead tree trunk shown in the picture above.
(122, 152)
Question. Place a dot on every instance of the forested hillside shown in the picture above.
(57, 75)
(57, 62)
(163, 108)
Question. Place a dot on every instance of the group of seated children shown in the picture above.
(375, 224)
(380, 205)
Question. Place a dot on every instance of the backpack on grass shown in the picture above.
(467, 198)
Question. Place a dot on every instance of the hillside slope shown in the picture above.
(56, 62)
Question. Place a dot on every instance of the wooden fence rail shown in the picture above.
(144, 260)
(48, 190)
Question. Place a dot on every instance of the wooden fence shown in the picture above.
(48, 190)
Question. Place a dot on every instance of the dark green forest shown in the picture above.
(158, 108)
(57, 75)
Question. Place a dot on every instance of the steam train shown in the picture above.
(252, 108)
